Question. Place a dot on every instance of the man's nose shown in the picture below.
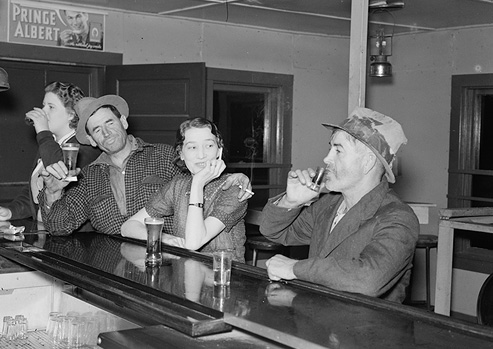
(105, 131)
(327, 158)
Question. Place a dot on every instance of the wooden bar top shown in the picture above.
(180, 295)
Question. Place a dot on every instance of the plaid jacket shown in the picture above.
(149, 167)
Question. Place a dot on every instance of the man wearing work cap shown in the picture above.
(361, 235)
(119, 182)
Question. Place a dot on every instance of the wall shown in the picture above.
(418, 95)
(319, 66)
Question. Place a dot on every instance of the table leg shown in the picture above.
(443, 287)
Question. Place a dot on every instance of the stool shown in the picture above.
(427, 242)
(485, 303)
(261, 243)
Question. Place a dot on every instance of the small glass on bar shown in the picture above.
(221, 265)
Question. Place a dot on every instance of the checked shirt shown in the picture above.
(147, 169)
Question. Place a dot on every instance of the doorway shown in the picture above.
(470, 181)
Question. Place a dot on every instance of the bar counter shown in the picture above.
(177, 303)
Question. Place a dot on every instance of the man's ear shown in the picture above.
(72, 115)
(369, 161)
(91, 140)
(123, 120)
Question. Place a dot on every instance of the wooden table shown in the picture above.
(478, 219)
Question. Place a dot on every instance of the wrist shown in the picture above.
(196, 204)
(284, 201)
(51, 197)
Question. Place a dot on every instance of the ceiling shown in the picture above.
(325, 17)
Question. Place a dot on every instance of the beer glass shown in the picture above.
(154, 227)
(70, 151)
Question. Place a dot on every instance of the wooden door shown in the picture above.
(160, 96)
(18, 147)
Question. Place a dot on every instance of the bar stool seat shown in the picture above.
(261, 243)
(427, 242)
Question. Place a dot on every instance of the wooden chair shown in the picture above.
(256, 241)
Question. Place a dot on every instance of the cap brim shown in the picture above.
(388, 170)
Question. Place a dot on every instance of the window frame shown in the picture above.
(278, 118)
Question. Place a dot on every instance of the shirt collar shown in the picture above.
(65, 138)
(136, 145)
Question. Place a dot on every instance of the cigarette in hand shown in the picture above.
(248, 191)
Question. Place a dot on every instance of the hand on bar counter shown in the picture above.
(10, 232)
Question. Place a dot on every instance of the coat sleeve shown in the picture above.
(67, 213)
(22, 206)
(49, 150)
(288, 227)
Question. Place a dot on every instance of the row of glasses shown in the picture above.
(74, 330)
(14, 328)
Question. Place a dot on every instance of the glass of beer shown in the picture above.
(70, 152)
(154, 227)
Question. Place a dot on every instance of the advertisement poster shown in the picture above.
(37, 23)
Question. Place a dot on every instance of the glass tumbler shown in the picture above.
(318, 179)
(50, 326)
(11, 333)
(21, 326)
(5, 325)
(75, 337)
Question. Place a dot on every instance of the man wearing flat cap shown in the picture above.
(361, 236)
(119, 182)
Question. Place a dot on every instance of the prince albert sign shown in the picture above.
(37, 23)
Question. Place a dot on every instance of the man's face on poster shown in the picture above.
(78, 21)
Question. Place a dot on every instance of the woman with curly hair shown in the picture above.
(206, 218)
(55, 124)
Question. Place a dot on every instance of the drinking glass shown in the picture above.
(70, 151)
(318, 179)
(76, 334)
(11, 331)
(21, 326)
(154, 227)
(222, 267)
(5, 327)
(50, 326)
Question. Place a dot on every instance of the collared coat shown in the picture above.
(370, 251)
